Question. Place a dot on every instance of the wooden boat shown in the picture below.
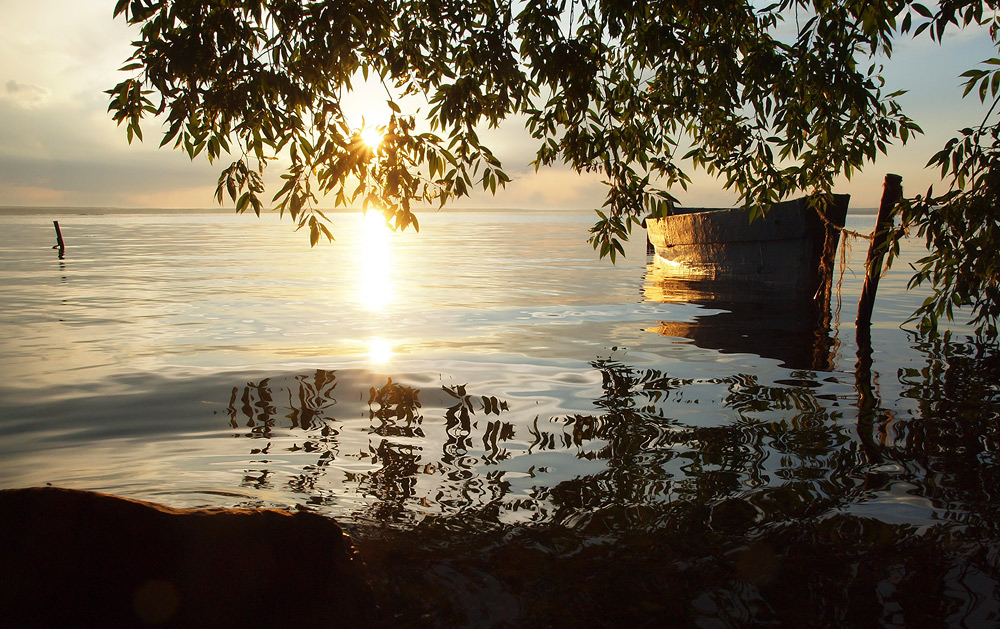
(791, 246)
(771, 277)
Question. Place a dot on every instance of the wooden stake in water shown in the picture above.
(60, 245)
(891, 194)
(868, 399)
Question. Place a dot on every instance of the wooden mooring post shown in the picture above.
(868, 399)
(60, 245)
(891, 194)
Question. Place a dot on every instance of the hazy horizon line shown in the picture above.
(99, 209)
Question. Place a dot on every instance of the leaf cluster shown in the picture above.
(607, 87)
(256, 79)
(961, 227)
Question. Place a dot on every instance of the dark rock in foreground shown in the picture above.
(73, 558)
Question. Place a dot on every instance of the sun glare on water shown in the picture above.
(379, 350)
(375, 261)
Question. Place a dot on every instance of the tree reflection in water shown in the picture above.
(724, 500)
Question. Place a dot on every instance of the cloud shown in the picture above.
(550, 188)
(26, 95)
(142, 180)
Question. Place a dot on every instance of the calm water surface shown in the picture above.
(512, 430)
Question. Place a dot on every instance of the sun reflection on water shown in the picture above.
(375, 261)
(379, 350)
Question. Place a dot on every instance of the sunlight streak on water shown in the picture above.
(379, 350)
(374, 256)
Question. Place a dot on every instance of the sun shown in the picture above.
(374, 227)
(371, 136)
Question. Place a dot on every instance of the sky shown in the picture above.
(59, 147)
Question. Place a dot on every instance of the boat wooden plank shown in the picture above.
(788, 246)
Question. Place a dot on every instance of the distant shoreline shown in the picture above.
(83, 211)
(99, 211)
(21, 210)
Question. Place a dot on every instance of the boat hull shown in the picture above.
(791, 246)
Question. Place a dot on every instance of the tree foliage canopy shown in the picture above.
(773, 99)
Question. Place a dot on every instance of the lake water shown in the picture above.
(513, 431)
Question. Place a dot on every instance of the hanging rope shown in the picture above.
(846, 236)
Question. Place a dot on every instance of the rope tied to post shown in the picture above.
(878, 237)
